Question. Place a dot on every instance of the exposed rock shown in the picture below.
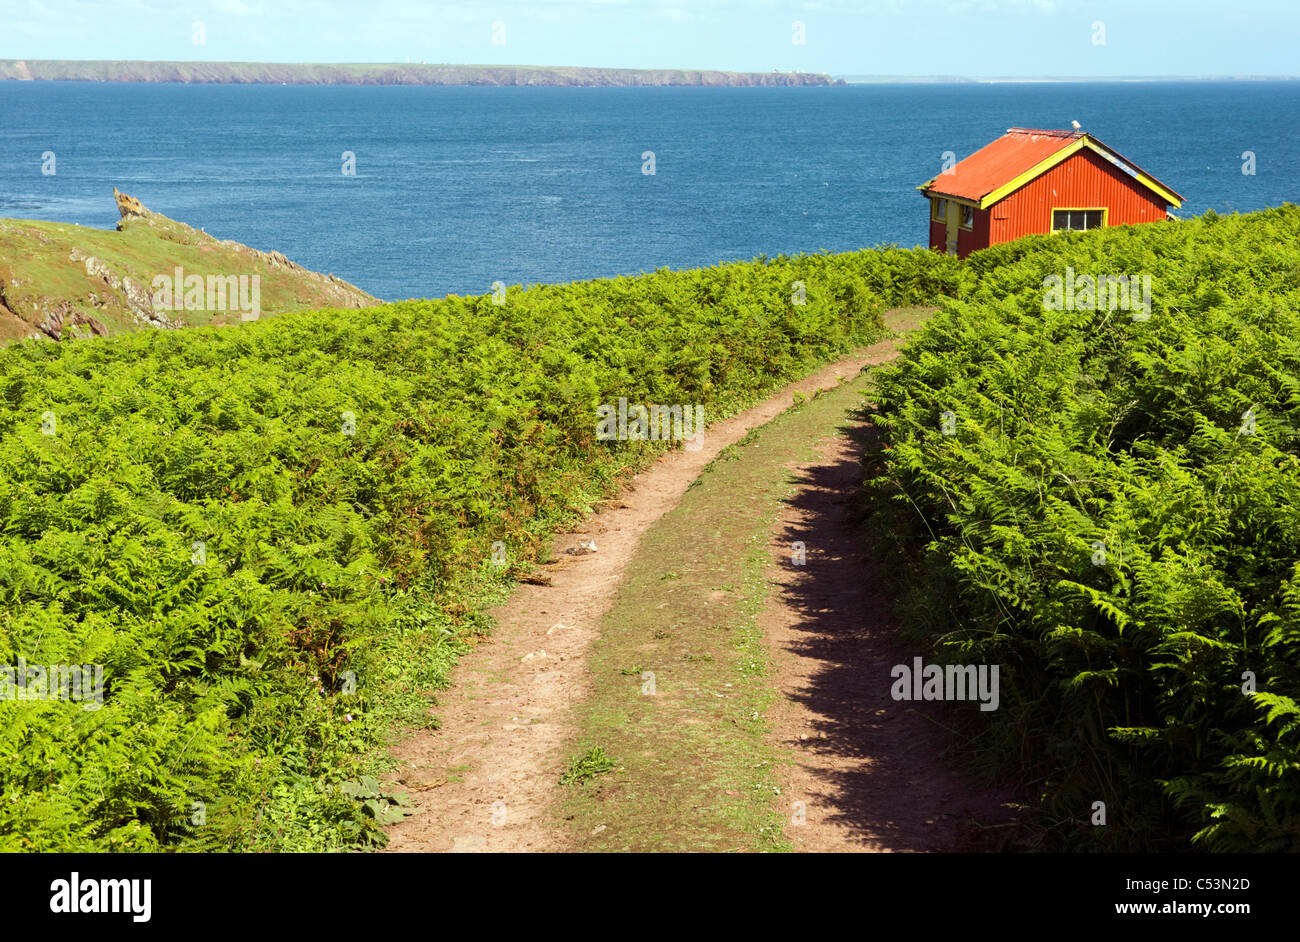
(273, 258)
(277, 259)
(96, 268)
(128, 205)
(60, 319)
(141, 307)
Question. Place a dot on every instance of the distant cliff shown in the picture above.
(275, 73)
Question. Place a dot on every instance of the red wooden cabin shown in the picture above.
(1030, 181)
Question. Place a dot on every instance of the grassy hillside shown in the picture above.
(1107, 505)
(388, 73)
(276, 539)
(61, 279)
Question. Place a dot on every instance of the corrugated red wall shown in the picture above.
(1083, 180)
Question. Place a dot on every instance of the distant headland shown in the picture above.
(349, 73)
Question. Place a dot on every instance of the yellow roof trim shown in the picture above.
(1149, 182)
(1066, 152)
(1038, 169)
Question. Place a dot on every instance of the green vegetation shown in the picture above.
(587, 766)
(277, 537)
(1114, 519)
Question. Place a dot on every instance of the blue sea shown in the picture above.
(455, 188)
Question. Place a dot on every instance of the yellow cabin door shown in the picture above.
(953, 216)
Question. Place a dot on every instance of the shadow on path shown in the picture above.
(872, 768)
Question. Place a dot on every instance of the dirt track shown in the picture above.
(868, 770)
(485, 779)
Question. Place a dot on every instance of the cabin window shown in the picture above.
(1078, 219)
(940, 210)
(968, 217)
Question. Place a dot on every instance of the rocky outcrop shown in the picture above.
(140, 304)
(55, 318)
(61, 321)
(138, 300)
(128, 206)
(95, 268)
(141, 277)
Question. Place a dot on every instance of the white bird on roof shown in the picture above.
(1076, 125)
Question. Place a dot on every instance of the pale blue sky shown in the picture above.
(895, 37)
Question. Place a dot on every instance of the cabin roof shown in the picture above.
(1008, 163)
